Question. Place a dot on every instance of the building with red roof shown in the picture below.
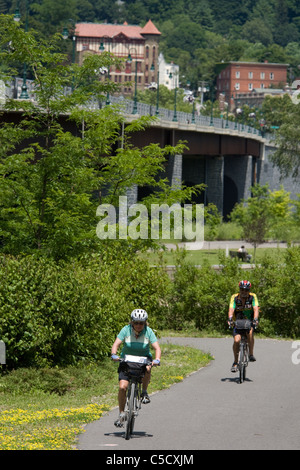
(142, 43)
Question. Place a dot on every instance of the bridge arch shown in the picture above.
(230, 197)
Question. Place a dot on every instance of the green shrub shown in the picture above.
(61, 313)
(279, 296)
(200, 296)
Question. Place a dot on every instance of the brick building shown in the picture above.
(237, 78)
(142, 43)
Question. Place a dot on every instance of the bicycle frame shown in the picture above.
(133, 404)
(133, 395)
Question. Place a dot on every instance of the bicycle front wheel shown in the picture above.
(130, 412)
(242, 363)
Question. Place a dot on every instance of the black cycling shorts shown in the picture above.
(123, 372)
(236, 332)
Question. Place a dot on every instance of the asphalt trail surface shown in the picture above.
(210, 410)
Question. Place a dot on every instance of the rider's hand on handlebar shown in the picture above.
(230, 322)
(156, 362)
(114, 357)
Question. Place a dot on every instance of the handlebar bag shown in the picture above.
(243, 324)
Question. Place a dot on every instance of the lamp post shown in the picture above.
(175, 97)
(24, 95)
(65, 35)
(157, 88)
(226, 125)
(193, 111)
(102, 49)
(129, 60)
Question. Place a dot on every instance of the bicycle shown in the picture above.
(136, 368)
(243, 328)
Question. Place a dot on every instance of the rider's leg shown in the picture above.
(123, 385)
(251, 343)
(236, 347)
(146, 380)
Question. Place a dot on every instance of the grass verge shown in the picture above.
(45, 409)
(198, 257)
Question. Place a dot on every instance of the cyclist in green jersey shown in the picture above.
(243, 305)
(136, 339)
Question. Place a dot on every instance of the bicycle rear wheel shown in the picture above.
(130, 411)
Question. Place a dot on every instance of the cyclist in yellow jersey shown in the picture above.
(243, 305)
(137, 338)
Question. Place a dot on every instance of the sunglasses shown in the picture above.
(139, 323)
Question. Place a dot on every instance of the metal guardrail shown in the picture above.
(144, 109)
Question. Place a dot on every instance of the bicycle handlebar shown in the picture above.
(116, 358)
(254, 324)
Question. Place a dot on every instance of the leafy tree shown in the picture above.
(287, 155)
(52, 180)
(253, 215)
(256, 30)
(282, 224)
(276, 110)
(264, 214)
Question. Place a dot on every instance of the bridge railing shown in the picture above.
(143, 109)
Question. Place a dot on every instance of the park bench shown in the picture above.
(238, 254)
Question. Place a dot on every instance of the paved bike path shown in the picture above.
(210, 410)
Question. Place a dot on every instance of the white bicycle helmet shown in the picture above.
(139, 315)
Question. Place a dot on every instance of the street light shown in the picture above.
(17, 16)
(193, 111)
(129, 60)
(65, 35)
(157, 88)
(102, 49)
(175, 97)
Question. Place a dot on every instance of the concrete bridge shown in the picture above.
(228, 157)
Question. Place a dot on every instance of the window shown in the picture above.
(271, 76)
(250, 74)
(237, 74)
(262, 75)
(237, 86)
(250, 86)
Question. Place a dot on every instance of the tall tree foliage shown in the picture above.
(52, 180)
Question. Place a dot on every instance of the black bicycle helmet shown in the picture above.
(245, 285)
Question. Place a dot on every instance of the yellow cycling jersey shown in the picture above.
(245, 311)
